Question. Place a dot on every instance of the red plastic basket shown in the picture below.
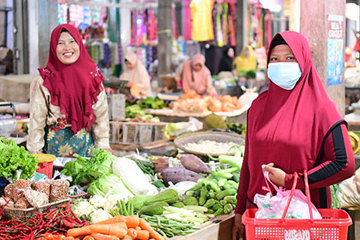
(333, 225)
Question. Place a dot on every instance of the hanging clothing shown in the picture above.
(68, 92)
(297, 130)
(138, 75)
(202, 24)
(245, 63)
(200, 81)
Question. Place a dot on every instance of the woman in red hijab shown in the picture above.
(68, 106)
(292, 127)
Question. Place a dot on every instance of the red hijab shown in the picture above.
(74, 88)
(286, 127)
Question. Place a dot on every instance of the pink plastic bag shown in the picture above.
(270, 206)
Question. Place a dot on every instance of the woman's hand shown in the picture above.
(276, 175)
(238, 230)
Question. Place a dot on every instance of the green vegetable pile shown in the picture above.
(170, 227)
(135, 111)
(216, 192)
(85, 170)
(153, 103)
(13, 157)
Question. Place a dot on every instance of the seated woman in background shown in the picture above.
(138, 77)
(68, 104)
(246, 61)
(194, 75)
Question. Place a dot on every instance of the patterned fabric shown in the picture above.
(43, 114)
(61, 141)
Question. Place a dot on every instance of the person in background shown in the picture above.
(227, 59)
(68, 105)
(292, 127)
(194, 75)
(138, 77)
(246, 61)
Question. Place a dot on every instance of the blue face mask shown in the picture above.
(284, 74)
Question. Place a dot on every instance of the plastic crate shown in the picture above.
(45, 164)
(333, 225)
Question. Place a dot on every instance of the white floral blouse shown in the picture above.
(43, 113)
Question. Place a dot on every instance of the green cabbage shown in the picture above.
(110, 181)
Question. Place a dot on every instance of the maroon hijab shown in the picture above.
(74, 88)
(286, 127)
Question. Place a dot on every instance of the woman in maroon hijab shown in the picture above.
(292, 127)
(68, 105)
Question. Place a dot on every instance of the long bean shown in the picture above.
(169, 227)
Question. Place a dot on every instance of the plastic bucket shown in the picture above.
(3, 183)
(45, 164)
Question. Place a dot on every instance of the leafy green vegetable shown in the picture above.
(13, 157)
(110, 181)
(85, 170)
(150, 102)
(133, 110)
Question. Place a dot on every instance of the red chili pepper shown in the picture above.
(68, 223)
(76, 217)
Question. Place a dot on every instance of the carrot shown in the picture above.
(138, 228)
(88, 237)
(127, 237)
(142, 235)
(146, 226)
(75, 232)
(115, 219)
(132, 221)
(100, 236)
(117, 229)
(132, 233)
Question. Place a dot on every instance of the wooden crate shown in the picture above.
(135, 132)
(116, 103)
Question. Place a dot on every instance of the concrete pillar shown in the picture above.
(47, 15)
(165, 38)
(241, 25)
(314, 25)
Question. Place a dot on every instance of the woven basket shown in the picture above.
(222, 137)
(11, 212)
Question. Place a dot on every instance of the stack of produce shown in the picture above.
(119, 227)
(136, 113)
(192, 102)
(50, 222)
(14, 158)
(216, 193)
(25, 194)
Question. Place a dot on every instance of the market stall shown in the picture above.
(144, 196)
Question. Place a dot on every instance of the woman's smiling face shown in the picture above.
(67, 49)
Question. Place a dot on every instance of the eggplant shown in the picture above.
(176, 175)
(193, 163)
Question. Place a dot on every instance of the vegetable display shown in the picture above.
(85, 170)
(51, 221)
(119, 227)
(13, 158)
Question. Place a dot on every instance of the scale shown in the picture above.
(8, 123)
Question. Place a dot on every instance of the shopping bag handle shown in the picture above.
(307, 193)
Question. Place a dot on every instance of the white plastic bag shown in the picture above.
(273, 206)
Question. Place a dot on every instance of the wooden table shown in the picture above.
(168, 115)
